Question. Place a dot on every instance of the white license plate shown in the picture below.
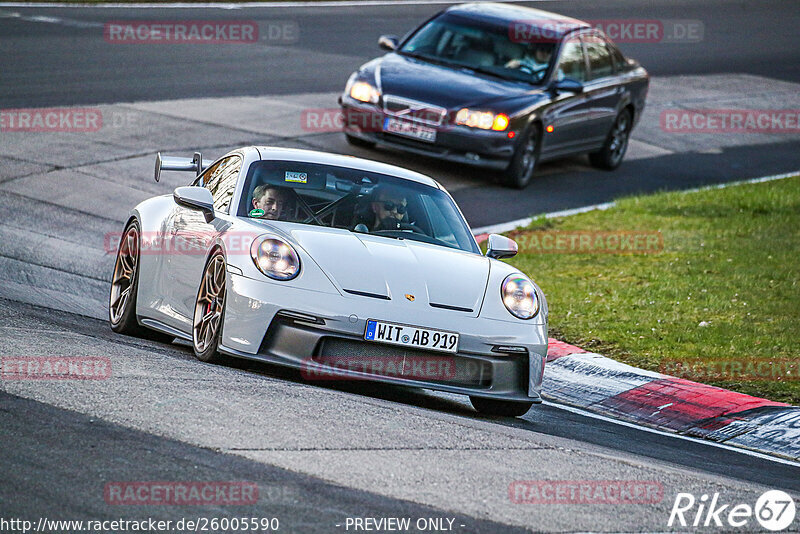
(409, 129)
(411, 336)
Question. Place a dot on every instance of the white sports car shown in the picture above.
(342, 267)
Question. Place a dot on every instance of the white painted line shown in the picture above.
(511, 225)
(717, 444)
(217, 5)
(508, 226)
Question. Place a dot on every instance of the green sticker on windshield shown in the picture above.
(256, 213)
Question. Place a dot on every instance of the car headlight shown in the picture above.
(519, 296)
(364, 92)
(275, 258)
(485, 120)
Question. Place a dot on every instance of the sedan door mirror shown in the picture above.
(195, 198)
(500, 247)
(388, 42)
(568, 85)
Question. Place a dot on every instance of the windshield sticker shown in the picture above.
(298, 177)
(256, 213)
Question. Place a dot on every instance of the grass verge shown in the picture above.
(725, 289)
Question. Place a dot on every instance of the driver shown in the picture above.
(532, 64)
(388, 207)
(272, 200)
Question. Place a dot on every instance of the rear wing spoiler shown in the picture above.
(170, 163)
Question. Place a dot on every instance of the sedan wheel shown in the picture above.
(523, 164)
(208, 311)
(610, 156)
(124, 283)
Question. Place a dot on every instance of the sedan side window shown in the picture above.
(600, 62)
(571, 64)
(221, 181)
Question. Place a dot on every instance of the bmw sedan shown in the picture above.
(498, 86)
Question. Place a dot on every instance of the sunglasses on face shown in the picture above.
(388, 205)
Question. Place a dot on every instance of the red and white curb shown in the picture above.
(601, 385)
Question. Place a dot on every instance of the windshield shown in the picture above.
(359, 201)
(462, 42)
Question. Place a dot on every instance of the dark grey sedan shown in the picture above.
(498, 86)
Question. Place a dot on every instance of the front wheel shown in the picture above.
(520, 171)
(610, 156)
(500, 407)
(208, 311)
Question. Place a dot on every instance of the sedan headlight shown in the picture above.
(485, 120)
(364, 92)
(275, 258)
(519, 296)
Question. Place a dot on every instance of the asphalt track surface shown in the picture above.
(323, 452)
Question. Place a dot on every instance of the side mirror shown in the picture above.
(195, 198)
(388, 42)
(568, 85)
(500, 247)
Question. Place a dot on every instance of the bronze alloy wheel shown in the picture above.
(208, 310)
(123, 282)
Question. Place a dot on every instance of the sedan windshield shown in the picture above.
(356, 200)
(464, 43)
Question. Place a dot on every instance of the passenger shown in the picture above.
(272, 200)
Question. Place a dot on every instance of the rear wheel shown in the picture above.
(356, 141)
(124, 284)
(208, 311)
(500, 407)
(523, 164)
(610, 156)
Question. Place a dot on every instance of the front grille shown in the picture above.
(413, 110)
(398, 362)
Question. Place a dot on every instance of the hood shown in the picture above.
(443, 86)
(379, 267)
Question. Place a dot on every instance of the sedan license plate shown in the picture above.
(411, 336)
(409, 129)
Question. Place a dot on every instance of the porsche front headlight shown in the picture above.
(519, 296)
(275, 258)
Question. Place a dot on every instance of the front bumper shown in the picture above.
(317, 332)
(459, 144)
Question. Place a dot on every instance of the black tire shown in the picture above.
(125, 283)
(616, 144)
(123, 321)
(526, 157)
(358, 142)
(500, 407)
(209, 310)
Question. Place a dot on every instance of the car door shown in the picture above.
(603, 90)
(192, 236)
(564, 119)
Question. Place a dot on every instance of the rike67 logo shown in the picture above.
(774, 510)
